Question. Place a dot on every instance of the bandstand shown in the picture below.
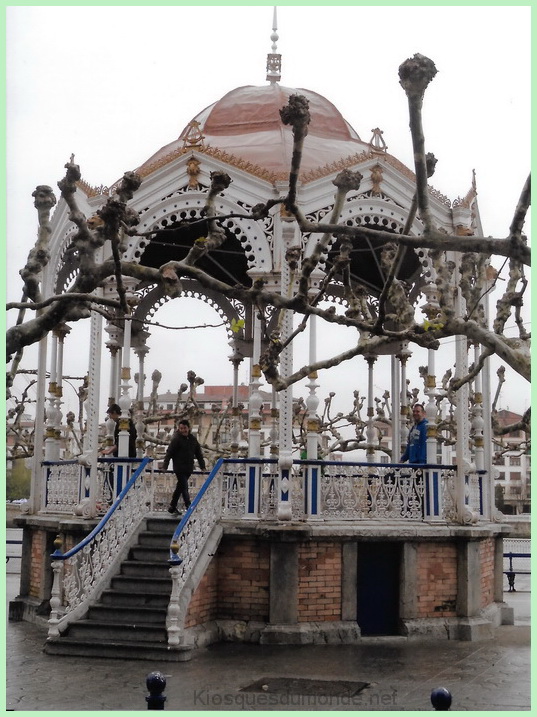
(274, 549)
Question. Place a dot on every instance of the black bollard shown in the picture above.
(441, 698)
(156, 683)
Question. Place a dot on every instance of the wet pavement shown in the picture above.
(493, 675)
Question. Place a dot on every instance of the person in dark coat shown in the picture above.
(182, 451)
(114, 411)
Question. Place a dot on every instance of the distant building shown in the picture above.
(513, 466)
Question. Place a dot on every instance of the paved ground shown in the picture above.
(492, 675)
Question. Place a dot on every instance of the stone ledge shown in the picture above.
(56, 522)
(367, 529)
(312, 633)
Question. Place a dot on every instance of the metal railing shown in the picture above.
(324, 490)
(81, 573)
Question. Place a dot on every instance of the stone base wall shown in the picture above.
(236, 587)
(203, 605)
(319, 582)
(37, 567)
(486, 559)
(282, 580)
(436, 586)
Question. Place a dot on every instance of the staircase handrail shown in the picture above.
(94, 572)
(214, 472)
(186, 517)
(196, 529)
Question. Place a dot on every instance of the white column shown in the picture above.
(285, 460)
(125, 400)
(403, 357)
(61, 332)
(91, 439)
(312, 401)
(370, 428)
(141, 351)
(461, 413)
(255, 400)
(38, 483)
(51, 443)
(396, 408)
(430, 408)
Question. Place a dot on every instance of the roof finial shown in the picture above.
(274, 60)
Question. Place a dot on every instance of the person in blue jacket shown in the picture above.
(416, 448)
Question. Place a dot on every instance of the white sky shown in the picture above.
(114, 84)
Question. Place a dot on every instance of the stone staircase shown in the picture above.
(129, 621)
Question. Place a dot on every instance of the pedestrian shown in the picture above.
(182, 451)
(114, 411)
(416, 449)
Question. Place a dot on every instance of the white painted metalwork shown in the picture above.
(63, 483)
(79, 579)
(189, 541)
(372, 491)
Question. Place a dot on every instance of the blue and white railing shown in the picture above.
(189, 541)
(256, 489)
(67, 485)
(336, 491)
(81, 573)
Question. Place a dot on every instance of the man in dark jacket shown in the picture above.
(114, 411)
(183, 448)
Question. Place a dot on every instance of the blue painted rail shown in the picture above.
(514, 571)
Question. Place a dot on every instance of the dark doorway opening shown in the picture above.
(379, 567)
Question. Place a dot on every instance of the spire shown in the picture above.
(274, 60)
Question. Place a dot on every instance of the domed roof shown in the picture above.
(246, 125)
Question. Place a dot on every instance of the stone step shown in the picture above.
(132, 584)
(157, 540)
(94, 631)
(145, 569)
(132, 599)
(155, 554)
(127, 614)
(116, 649)
(165, 524)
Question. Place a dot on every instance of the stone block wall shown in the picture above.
(486, 560)
(37, 572)
(204, 602)
(436, 580)
(243, 579)
(319, 581)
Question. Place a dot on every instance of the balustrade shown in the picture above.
(81, 573)
(328, 491)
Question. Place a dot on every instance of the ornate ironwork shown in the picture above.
(63, 486)
(88, 567)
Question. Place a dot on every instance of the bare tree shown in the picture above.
(379, 321)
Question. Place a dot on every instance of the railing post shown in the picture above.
(252, 481)
(312, 491)
(433, 495)
(285, 463)
(172, 618)
(55, 594)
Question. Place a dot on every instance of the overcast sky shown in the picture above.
(114, 84)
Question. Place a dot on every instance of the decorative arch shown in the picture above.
(372, 212)
(154, 297)
(252, 234)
